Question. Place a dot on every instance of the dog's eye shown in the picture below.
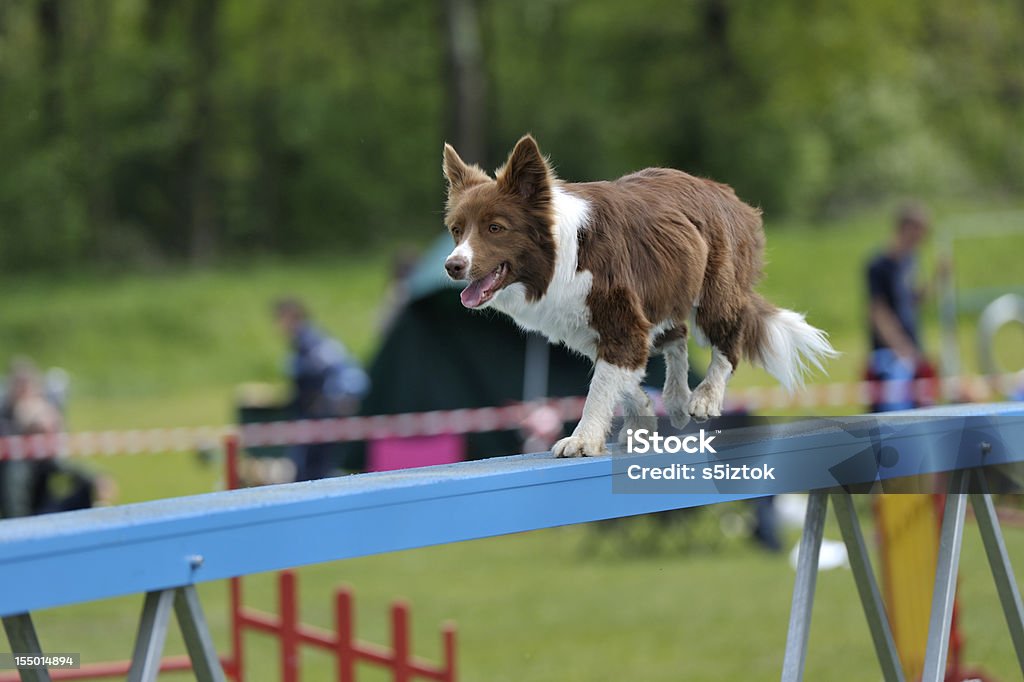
(456, 232)
(494, 228)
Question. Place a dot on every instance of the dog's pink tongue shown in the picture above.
(473, 295)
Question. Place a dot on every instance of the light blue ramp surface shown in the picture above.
(79, 556)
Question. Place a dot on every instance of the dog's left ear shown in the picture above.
(526, 173)
(459, 174)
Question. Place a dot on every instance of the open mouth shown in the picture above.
(482, 290)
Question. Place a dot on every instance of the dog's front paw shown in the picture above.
(679, 418)
(578, 446)
(677, 404)
(635, 423)
(705, 402)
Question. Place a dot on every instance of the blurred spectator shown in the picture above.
(46, 485)
(326, 382)
(894, 301)
(23, 386)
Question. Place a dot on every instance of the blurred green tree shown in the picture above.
(146, 131)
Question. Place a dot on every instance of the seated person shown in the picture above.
(41, 486)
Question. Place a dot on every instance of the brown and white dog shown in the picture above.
(613, 269)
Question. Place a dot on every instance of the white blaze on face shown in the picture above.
(466, 251)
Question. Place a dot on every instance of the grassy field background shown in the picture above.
(169, 349)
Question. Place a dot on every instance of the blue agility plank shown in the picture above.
(91, 554)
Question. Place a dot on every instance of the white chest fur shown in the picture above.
(561, 314)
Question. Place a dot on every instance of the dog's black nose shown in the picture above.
(456, 267)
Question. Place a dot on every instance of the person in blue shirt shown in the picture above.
(894, 302)
(326, 382)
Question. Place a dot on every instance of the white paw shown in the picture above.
(635, 423)
(578, 446)
(677, 404)
(679, 419)
(705, 403)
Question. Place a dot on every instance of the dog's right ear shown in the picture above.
(459, 174)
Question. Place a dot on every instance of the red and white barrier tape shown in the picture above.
(138, 441)
(401, 425)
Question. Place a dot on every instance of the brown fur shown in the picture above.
(622, 328)
(667, 238)
(656, 242)
(676, 334)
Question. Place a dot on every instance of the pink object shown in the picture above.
(388, 454)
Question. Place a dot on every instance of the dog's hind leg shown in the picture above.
(676, 394)
(724, 333)
(709, 396)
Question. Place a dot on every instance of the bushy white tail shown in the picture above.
(788, 347)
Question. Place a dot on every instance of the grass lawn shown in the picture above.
(168, 349)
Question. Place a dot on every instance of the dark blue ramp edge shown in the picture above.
(91, 554)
